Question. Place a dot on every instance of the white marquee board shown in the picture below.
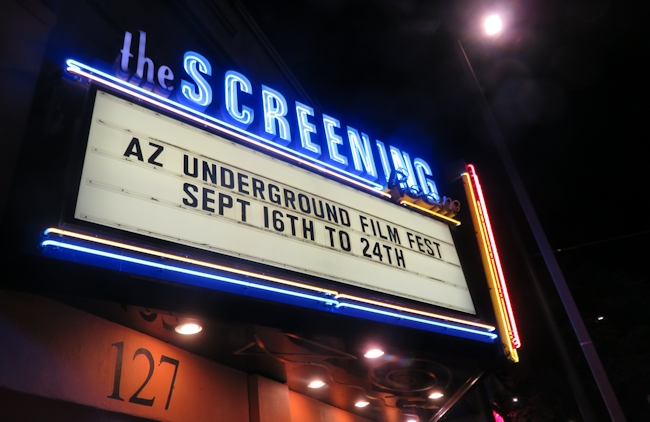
(150, 174)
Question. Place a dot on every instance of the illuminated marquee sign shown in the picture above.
(266, 113)
(291, 202)
(153, 175)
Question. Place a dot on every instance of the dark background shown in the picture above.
(565, 82)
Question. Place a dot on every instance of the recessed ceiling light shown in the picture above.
(188, 328)
(374, 353)
(436, 395)
(362, 404)
(316, 384)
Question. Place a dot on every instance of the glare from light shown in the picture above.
(362, 404)
(412, 420)
(436, 395)
(515, 399)
(600, 318)
(188, 328)
(316, 384)
(374, 353)
(493, 24)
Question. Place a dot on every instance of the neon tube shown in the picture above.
(188, 260)
(414, 319)
(415, 311)
(490, 272)
(456, 222)
(184, 271)
(500, 300)
(502, 279)
(325, 300)
(336, 297)
(216, 124)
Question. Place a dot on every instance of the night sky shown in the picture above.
(564, 81)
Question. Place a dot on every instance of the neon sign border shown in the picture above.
(97, 75)
(492, 263)
(339, 301)
(75, 67)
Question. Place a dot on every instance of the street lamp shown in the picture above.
(494, 25)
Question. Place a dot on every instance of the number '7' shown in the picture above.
(167, 359)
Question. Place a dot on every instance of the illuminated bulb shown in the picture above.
(600, 318)
(515, 399)
(316, 384)
(493, 24)
(436, 395)
(374, 353)
(188, 328)
(362, 404)
(412, 420)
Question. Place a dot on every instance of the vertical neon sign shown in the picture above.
(492, 264)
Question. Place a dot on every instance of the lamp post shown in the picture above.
(493, 25)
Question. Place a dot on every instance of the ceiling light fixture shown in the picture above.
(188, 327)
(374, 353)
(316, 384)
(362, 404)
(436, 395)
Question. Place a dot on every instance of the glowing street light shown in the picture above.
(493, 24)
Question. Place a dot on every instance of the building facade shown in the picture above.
(165, 170)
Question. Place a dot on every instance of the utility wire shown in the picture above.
(602, 241)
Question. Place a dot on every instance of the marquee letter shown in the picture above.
(199, 94)
(385, 164)
(134, 149)
(165, 74)
(275, 108)
(126, 52)
(402, 162)
(306, 129)
(423, 170)
(333, 141)
(362, 153)
(142, 60)
(234, 82)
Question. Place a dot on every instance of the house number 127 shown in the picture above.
(118, 375)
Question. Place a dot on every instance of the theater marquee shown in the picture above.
(153, 175)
